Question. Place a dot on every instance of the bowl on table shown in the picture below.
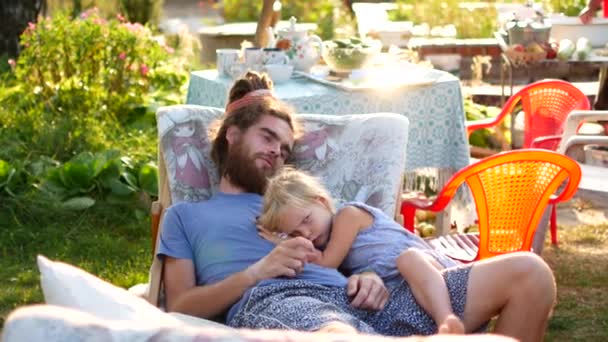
(346, 55)
(279, 73)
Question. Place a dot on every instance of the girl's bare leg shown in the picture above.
(429, 289)
(519, 287)
(451, 325)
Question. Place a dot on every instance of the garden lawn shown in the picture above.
(110, 242)
(581, 271)
(116, 247)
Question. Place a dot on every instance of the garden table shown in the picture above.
(437, 145)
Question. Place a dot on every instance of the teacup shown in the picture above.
(275, 56)
(254, 57)
(237, 70)
(226, 58)
(279, 73)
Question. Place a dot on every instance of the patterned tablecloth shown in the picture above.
(437, 144)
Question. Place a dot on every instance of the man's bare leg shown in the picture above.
(337, 327)
(507, 286)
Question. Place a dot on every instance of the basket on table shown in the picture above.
(525, 57)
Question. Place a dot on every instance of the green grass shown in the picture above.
(581, 271)
(113, 243)
(110, 242)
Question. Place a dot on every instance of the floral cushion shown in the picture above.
(358, 157)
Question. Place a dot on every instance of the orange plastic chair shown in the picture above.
(546, 105)
(511, 191)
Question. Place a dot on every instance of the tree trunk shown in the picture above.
(265, 21)
(15, 16)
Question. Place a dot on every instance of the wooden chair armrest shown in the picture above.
(155, 212)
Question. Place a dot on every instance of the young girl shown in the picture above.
(357, 238)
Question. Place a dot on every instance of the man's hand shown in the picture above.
(586, 15)
(367, 291)
(286, 259)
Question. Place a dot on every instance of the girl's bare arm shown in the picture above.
(347, 224)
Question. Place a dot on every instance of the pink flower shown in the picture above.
(12, 63)
(134, 27)
(122, 56)
(144, 70)
(99, 21)
(92, 11)
(120, 18)
(31, 26)
(169, 49)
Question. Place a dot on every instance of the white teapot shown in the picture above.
(304, 49)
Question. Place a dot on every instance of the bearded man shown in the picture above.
(216, 264)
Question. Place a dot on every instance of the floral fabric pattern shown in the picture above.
(358, 157)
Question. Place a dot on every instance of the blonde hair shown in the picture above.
(291, 187)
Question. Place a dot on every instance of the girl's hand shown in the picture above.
(315, 256)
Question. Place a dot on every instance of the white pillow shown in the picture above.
(71, 287)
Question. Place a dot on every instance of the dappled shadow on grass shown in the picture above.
(580, 264)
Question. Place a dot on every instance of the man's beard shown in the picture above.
(242, 171)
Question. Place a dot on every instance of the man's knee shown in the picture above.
(534, 276)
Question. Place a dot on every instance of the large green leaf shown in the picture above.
(5, 170)
(78, 203)
(120, 189)
(42, 166)
(53, 183)
(130, 179)
(103, 160)
(78, 176)
(148, 179)
(110, 171)
(127, 162)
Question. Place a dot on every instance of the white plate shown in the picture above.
(374, 81)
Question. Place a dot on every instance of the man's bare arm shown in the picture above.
(182, 294)
(202, 301)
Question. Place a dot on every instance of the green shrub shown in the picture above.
(137, 11)
(327, 14)
(77, 183)
(568, 7)
(470, 22)
(80, 83)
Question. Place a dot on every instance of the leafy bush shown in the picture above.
(80, 82)
(136, 11)
(570, 8)
(327, 14)
(470, 22)
(105, 175)
(492, 138)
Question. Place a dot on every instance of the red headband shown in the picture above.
(249, 98)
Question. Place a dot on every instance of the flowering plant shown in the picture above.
(80, 80)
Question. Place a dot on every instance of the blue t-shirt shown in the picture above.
(220, 237)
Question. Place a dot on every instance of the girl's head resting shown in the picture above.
(298, 204)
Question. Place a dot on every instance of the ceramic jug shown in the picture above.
(304, 49)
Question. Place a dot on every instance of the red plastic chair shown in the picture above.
(511, 191)
(546, 105)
